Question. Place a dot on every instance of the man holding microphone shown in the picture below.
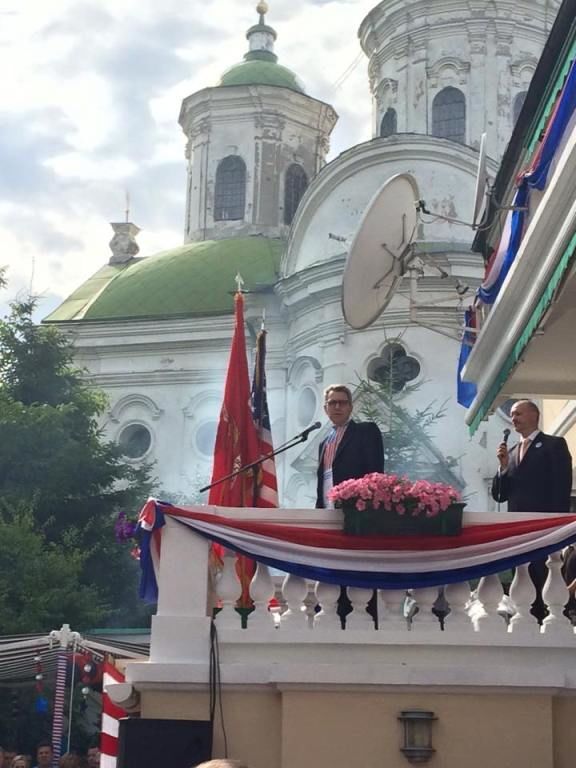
(535, 475)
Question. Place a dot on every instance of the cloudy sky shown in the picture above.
(89, 101)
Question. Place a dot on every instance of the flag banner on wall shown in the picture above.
(267, 487)
(489, 543)
(534, 177)
(111, 714)
(466, 391)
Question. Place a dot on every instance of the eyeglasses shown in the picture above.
(334, 403)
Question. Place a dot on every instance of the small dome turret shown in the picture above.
(260, 65)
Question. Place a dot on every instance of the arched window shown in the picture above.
(294, 188)
(388, 127)
(449, 115)
(230, 191)
(519, 100)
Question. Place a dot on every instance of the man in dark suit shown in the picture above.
(352, 449)
(535, 475)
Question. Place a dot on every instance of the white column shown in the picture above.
(359, 618)
(229, 591)
(294, 590)
(181, 627)
(261, 591)
(458, 597)
(522, 594)
(555, 595)
(327, 596)
(490, 594)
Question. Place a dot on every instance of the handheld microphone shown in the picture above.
(304, 435)
(506, 435)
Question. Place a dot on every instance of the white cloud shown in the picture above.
(89, 100)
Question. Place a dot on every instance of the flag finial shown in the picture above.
(239, 283)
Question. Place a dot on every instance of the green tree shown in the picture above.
(55, 465)
(408, 435)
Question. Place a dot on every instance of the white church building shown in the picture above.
(262, 200)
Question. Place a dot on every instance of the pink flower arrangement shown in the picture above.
(392, 493)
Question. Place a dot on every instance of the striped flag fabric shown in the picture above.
(267, 486)
(58, 711)
(489, 543)
(111, 714)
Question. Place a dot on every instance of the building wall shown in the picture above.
(487, 50)
(270, 129)
(307, 729)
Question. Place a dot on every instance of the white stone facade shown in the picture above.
(486, 50)
(270, 129)
(168, 375)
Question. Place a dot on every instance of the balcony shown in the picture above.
(486, 639)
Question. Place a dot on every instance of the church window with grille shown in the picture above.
(230, 191)
(394, 368)
(519, 100)
(389, 124)
(294, 188)
(449, 115)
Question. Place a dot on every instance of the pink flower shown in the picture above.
(395, 495)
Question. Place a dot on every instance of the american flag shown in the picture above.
(267, 487)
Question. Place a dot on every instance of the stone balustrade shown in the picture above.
(302, 610)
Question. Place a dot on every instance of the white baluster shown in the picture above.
(229, 590)
(391, 610)
(358, 618)
(523, 594)
(294, 590)
(310, 603)
(261, 590)
(425, 598)
(327, 596)
(489, 593)
(555, 595)
(458, 596)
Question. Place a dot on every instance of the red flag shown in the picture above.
(237, 443)
(236, 440)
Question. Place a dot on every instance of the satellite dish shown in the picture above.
(481, 181)
(380, 251)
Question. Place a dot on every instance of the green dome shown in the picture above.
(197, 279)
(261, 72)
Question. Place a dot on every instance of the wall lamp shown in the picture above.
(417, 724)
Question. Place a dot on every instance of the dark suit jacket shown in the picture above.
(360, 452)
(542, 482)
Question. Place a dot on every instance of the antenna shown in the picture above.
(127, 207)
(380, 251)
(481, 183)
(383, 253)
(480, 194)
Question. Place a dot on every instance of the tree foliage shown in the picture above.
(406, 433)
(71, 483)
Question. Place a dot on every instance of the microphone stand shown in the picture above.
(301, 438)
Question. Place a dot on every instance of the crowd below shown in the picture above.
(44, 758)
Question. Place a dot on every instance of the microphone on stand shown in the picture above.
(304, 435)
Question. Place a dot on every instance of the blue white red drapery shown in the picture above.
(503, 541)
(534, 177)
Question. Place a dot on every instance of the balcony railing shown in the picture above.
(307, 612)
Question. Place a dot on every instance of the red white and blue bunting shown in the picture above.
(503, 541)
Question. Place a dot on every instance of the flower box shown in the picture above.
(389, 505)
(376, 522)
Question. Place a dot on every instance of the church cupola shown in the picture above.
(255, 141)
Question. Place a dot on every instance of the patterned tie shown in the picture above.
(524, 447)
